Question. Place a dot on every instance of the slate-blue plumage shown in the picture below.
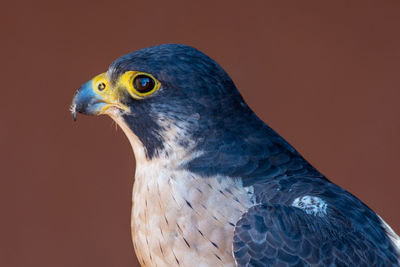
(236, 144)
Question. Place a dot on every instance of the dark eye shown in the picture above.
(101, 86)
(143, 84)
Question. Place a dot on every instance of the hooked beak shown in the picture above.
(89, 102)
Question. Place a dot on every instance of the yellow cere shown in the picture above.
(102, 86)
(126, 81)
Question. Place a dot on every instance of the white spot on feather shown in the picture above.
(311, 205)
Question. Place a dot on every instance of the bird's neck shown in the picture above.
(174, 151)
(245, 148)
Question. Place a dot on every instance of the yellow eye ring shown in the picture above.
(140, 84)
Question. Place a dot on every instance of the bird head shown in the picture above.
(176, 104)
(164, 92)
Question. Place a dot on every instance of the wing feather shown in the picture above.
(279, 235)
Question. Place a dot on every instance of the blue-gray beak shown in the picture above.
(87, 101)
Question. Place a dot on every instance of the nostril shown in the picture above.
(101, 86)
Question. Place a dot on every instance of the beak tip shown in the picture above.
(73, 111)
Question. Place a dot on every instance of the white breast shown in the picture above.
(179, 218)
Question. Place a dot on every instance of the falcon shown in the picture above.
(214, 185)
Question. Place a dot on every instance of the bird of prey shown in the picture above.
(214, 185)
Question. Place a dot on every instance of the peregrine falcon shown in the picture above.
(214, 185)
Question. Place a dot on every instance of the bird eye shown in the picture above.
(143, 83)
(101, 86)
(138, 84)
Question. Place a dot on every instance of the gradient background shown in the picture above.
(325, 76)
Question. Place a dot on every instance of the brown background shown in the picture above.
(325, 76)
